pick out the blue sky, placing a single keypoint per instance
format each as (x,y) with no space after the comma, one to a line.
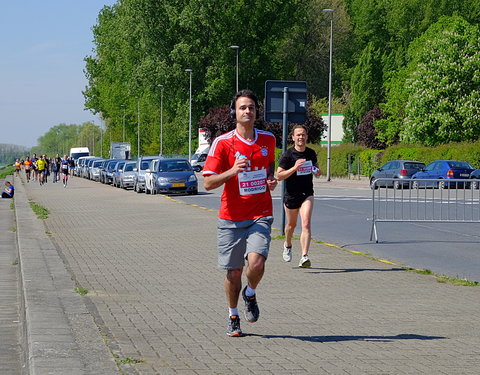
(42,44)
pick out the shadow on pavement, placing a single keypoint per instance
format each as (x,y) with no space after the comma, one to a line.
(403,336)
(347,270)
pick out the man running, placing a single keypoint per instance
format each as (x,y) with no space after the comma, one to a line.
(243,160)
(28,168)
(17,167)
(64,167)
(296,166)
(42,169)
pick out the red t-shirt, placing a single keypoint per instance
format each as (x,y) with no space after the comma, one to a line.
(223,152)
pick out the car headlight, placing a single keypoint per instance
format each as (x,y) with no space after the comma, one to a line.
(192,178)
(162,180)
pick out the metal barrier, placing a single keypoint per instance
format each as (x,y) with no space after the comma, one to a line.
(424,200)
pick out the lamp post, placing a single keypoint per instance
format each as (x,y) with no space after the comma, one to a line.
(123,107)
(161,119)
(138,127)
(190,118)
(236,48)
(329,134)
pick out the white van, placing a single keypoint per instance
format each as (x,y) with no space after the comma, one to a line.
(198,158)
(76,152)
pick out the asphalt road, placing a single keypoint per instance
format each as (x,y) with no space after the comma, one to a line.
(341,218)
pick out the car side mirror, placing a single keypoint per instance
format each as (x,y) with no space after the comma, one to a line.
(135,169)
(120,170)
(147,170)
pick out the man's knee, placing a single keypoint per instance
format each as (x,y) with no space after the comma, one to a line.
(234,275)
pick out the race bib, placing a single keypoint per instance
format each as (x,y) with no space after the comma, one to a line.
(253,182)
(305,168)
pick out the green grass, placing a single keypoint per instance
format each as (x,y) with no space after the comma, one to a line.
(12,204)
(41,212)
(14,230)
(81,291)
(4,172)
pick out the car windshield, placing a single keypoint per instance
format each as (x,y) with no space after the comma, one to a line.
(174,166)
(129,167)
(97,164)
(144,165)
(459,165)
(416,166)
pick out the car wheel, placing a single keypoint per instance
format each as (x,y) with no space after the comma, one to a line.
(415,185)
(397,185)
(373,185)
(474,185)
(193,192)
(442,185)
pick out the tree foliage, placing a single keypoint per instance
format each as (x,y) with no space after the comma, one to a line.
(218,121)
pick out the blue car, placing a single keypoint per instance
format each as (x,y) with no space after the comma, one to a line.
(443,170)
(174,176)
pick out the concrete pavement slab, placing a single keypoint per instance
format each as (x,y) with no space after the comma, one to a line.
(149,265)
(11,360)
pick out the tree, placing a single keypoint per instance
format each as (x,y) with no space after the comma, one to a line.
(444,85)
(367,135)
(218,121)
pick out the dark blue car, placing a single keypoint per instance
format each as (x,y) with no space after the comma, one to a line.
(174,176)
(443,170)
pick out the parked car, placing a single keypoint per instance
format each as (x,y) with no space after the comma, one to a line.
(127,174)
(116,173)
(174,176)
(87,168)
(143,163)
(109,169)
(95,169)
(399,170)
(103,170)
(475,175)
(150,176)
(444,170)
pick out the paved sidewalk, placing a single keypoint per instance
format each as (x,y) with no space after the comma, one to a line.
(10,301)
(149,264)
(60,334)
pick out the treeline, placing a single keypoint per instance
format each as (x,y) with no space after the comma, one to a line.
(404,70)
(60,138)
(9,153)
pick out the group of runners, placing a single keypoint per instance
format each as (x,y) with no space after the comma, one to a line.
(40,168)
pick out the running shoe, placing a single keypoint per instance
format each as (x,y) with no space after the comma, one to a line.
(233,328)
(305,262)
(287,253)
(251,308)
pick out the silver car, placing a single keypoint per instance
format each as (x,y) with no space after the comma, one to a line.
(127,175)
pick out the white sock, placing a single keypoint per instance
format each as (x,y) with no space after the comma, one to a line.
(249,292)
(233,311)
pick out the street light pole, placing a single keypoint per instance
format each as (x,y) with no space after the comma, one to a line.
(123,106)
(190,118)
(236,48)
(161,119)
(138,127)
(329,136)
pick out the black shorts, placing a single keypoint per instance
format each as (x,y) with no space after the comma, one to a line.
(295,202)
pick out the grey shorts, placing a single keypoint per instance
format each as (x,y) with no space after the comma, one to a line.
(235,239)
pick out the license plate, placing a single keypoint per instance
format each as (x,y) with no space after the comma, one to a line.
(464,175)
(178,185)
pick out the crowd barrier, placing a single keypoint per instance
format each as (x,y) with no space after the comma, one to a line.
(425,201)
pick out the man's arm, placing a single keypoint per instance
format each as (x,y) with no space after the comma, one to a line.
(271,180)
(283,174)
(214,181)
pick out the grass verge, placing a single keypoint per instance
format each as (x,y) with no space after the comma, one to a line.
(41,212)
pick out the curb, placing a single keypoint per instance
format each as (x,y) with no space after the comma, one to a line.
(59,332)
